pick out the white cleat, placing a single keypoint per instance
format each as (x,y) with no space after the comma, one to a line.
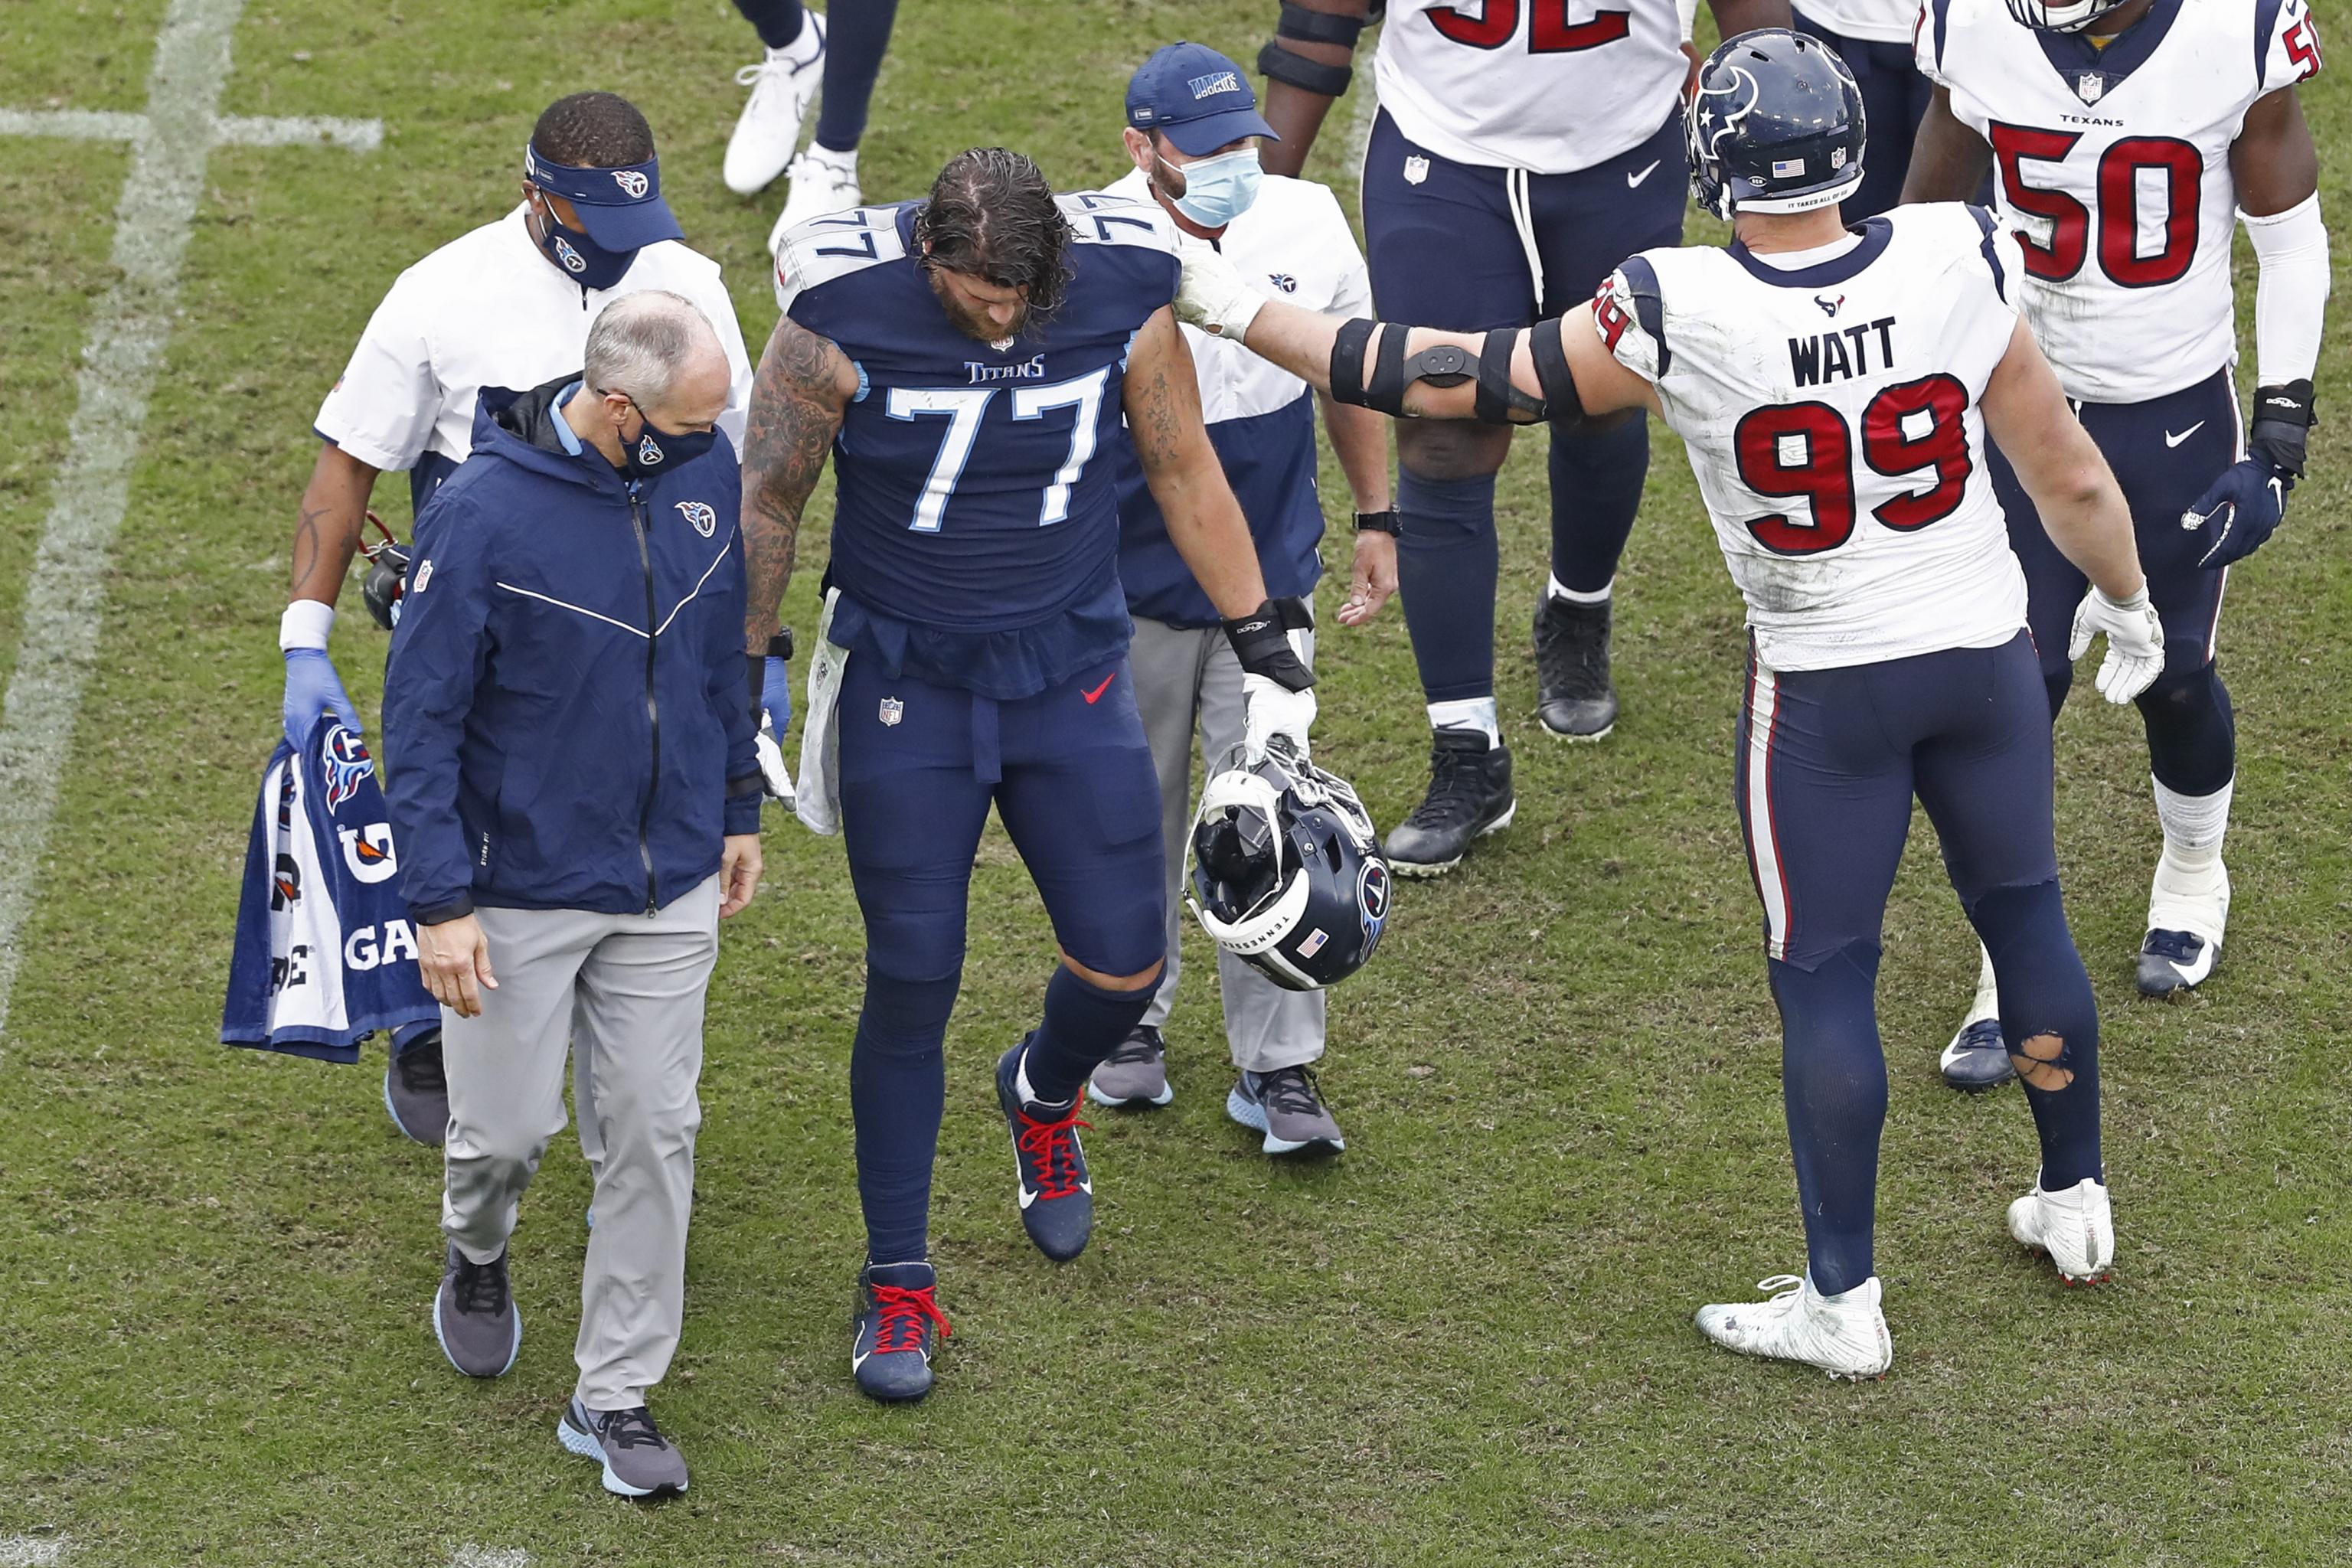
(2187,913)
(783,84)
(823,182)
(1844,1335)
(2075,1228)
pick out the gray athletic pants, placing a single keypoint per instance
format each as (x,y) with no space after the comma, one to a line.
(629,991)
(1187,681)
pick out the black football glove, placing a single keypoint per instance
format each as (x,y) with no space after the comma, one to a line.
(1260,641)
(2244,506)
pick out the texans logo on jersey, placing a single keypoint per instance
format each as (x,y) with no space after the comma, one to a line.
(346,761)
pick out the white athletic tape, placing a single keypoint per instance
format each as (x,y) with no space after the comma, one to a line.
(127,331)
(31,1551)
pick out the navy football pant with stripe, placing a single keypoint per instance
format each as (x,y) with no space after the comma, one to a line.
(857,35)
(1070,774)
(1830,761)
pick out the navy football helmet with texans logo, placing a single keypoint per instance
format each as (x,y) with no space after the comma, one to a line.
(1286,870)
(1775,127)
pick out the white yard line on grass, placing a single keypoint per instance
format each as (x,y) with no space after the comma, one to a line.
(31,1551)
(472,1556)
(127,331)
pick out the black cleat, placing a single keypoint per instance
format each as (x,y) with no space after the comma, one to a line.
(1574,697)
(891,1337)
(1469,796)
(2172,960)
(1057,1199)
(416,1090)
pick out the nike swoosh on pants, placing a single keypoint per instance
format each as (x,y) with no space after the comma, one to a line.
(2172,440)
(1634,180)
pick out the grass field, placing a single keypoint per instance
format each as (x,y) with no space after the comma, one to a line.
(1465,1342)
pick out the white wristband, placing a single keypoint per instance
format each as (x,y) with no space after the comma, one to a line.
(306,624)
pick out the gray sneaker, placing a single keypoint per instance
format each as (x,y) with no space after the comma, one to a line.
(416,1090)
(474,1316)
(1287,1105)
(1136,1074)
(638,1460)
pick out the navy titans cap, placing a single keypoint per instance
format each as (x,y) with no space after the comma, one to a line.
(622,209)
(1196,97)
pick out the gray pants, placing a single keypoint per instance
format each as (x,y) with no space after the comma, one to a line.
(628,992)
(1187,681)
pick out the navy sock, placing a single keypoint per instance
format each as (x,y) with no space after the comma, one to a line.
(1833,1086)
(2043,991)
(1083,1025)
(1447,566)
(1596,489)
(2192,736)
(858,34)
(778,22)
(898,1086)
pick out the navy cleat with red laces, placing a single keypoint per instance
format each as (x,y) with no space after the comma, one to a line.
(897,1313)
(1057,1201)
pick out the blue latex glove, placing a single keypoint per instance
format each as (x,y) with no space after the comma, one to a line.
(776,696)
(312,688)
(2237,510)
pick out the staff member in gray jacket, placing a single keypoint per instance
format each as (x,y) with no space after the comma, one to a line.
(1192,133)
(577,804)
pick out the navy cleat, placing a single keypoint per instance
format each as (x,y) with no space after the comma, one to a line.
(1469,796)
(2172,960)
(897,1311)
(1978,1058)
(1057,1201)
(1575,699)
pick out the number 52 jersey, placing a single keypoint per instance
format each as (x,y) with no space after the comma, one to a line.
(1831,414)
(2113,164)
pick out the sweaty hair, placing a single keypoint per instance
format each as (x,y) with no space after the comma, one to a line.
(594,131)
(640,342)
(992,215)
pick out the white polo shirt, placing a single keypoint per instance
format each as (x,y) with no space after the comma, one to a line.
(489,309)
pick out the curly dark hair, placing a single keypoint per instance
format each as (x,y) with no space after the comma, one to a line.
(593,130)
(992,215)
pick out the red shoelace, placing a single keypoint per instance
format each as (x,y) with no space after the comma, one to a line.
(1051,1147)
(904,1312)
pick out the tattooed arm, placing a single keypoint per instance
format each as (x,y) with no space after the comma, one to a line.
(1204,522)
(334,509)
(802,387)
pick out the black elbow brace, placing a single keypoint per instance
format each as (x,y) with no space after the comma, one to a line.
(1277,64)
(1442,366)
(1561,405)
(1317,27)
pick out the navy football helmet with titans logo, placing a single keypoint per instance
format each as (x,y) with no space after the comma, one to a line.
(1775,127)
(1286,870)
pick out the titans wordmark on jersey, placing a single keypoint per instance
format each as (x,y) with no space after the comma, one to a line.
(1830,413)
(968,492)
(2113,166)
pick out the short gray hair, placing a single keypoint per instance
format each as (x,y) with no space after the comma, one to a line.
(640,342)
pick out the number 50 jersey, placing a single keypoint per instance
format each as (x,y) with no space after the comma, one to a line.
(2113,164)
(1831,414)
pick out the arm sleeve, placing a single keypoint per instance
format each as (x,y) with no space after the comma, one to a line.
(438,655)
(730,697)
(2291,292)
(382,408)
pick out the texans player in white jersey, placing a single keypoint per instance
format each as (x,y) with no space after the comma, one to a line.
(1873,38)
(1834,388)
(1522,149)
(2125,137)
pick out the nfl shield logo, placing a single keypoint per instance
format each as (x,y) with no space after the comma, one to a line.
(892,711)
(2090,87)
(1416,169)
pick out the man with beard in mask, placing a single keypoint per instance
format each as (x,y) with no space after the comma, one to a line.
(508,304)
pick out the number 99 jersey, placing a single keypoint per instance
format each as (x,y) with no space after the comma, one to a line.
(2113,164)
(1829,413)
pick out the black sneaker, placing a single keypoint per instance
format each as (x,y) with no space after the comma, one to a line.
(1057,1200)
(474,1316)
(1469,796)
(890,1347)
(1574,698)
(638,1461)
(416,1090)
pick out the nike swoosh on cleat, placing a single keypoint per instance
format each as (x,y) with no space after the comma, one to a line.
(2172,440)
(1028,1197)
(859,1360)
(1634,180)
(1097,691)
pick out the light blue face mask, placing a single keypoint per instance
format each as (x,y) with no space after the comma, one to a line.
(1220,189)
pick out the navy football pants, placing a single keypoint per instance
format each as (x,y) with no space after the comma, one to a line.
(858,34)
(1070,776)
(1829,764)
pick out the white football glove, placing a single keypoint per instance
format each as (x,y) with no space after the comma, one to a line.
(1273,709)
(773,774)
(2135,642)
(1214,296)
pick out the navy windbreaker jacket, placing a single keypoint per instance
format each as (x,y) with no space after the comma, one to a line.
(565,717)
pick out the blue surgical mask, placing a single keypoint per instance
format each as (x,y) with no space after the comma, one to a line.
(583,261)
(1220,189)
(656,451)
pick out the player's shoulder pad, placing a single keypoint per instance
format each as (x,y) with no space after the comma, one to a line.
(826,249)
(1103,217)
(2286,44)
(1629,311)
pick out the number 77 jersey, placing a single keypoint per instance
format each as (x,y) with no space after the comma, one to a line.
(1830,413)
(2113,166)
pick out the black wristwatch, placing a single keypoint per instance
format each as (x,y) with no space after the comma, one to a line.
(1387,522)
(781,644)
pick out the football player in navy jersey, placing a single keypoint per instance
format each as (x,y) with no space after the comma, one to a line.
(965,359)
